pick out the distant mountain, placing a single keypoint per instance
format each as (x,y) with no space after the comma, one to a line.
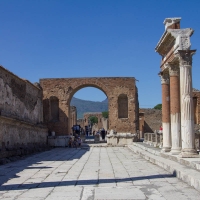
(105,101)
(84,106)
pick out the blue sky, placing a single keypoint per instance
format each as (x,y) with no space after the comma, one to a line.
(93,38)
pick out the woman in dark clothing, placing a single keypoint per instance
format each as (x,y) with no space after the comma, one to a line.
(103,134)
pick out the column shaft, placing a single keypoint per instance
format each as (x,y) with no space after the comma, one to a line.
(187,109)
(166,114)
(175,110)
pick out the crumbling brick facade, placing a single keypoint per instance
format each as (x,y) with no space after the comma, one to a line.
(122,96)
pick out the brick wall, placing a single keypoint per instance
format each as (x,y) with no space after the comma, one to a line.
(152,119)
(65,88)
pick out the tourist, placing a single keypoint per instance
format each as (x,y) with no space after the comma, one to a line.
(75,143)
(103,133)
(79,141)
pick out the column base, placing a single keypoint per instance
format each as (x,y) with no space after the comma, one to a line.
(175,151)
(166,149)
(189,153)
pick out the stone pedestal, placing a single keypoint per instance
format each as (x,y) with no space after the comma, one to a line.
(96,138)
(187,109)
(175,109)
(166,112)
(120,138)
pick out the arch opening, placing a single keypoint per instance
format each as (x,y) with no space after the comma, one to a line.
(90,102)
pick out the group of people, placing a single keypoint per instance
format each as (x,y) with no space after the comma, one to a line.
(102,133)
(76,142)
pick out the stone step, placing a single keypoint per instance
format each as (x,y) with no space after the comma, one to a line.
(190,162)
(186,173)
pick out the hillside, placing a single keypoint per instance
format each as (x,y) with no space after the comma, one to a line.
(88,106)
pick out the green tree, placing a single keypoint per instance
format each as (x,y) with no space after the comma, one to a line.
(105,114)
(158,106)
(93,119)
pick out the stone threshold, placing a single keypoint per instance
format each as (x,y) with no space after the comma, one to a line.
(181,169)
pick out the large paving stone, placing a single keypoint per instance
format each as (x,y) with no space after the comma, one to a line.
(100,173)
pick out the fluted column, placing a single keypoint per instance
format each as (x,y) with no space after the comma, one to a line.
(187,109)
(175,115)
(166,112)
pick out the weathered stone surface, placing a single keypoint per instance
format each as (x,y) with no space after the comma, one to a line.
(95,173)
(152,119)
(186,169)
(20,99)
(73,116)
(21,116)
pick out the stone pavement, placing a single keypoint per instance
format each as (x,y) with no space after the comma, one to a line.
(90,173)
(186,169)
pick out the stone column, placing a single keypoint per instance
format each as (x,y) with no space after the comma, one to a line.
(175,109)
(187,109)
(166,112)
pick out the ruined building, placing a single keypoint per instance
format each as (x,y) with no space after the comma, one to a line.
(21,116)
(177,97)
(29,112)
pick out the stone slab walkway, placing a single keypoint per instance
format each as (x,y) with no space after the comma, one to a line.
(90,173)
(186,169)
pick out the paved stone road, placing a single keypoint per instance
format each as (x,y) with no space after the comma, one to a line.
(97,173)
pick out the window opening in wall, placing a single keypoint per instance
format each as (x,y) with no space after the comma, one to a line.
(122,106)
(54,103)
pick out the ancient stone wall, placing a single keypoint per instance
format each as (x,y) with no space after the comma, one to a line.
(64,89)
(196,100)
(20,99)
(73,116)
(21,112)
(141,124)
(152,119)
(99,116)
(105,123)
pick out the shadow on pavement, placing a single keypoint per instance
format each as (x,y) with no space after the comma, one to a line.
(35,162)
(81,182)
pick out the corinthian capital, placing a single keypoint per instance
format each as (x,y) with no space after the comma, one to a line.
(185,57)
(164,78)
(173,70)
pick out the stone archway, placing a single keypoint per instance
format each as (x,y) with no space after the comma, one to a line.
(65,88)
(98,115)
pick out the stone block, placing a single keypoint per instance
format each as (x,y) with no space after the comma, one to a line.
(58,141)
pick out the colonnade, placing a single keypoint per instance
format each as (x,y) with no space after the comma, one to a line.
(177,105)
